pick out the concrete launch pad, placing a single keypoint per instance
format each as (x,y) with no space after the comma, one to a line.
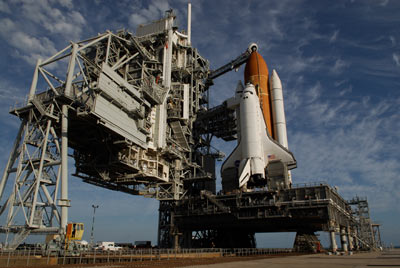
(370,259)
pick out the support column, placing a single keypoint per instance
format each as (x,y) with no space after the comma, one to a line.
(176,241)
(13,156)
(350,237)
(64,202)
(189,24)
(174,232)
(356,242)
(70,73)
(34,80)
(333,241)
(343,239)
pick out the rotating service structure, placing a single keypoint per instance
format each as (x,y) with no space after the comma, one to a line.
(125,110)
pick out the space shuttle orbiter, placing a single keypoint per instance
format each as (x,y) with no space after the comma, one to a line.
(261,156)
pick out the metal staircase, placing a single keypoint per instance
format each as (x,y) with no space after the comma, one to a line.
(18,238)
(179,135)
(307,242)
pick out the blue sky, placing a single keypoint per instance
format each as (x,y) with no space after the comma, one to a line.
(339,62)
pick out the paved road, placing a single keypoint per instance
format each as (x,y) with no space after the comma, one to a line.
(359,260)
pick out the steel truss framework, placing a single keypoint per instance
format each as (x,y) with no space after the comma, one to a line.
(35,163)
(364,229)
(377,235)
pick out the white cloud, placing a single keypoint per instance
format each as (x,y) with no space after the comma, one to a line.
(4,7)
(349,144)
(339,83)
(154,11)
(314,92)
(334,36)
(46,14)
(379,109)
(6,26)
(297,65)
(392,39)
(293,100)
(345,91)
(66,3)
(39,26)
(384,3)
(77,18)
(275,26)
(339,66)
(23,41)
(28,47)
(11,96)
(396,58)
(137,19)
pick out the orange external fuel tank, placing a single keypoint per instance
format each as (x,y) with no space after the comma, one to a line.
(256,72)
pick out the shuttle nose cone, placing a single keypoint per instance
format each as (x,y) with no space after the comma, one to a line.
(276,81)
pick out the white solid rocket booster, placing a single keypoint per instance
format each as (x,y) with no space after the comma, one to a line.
(278,113)
(278,110)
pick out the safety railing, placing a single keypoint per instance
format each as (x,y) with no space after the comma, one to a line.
(35,257)
(309,184)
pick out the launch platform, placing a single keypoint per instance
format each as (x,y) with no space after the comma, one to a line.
(230,220)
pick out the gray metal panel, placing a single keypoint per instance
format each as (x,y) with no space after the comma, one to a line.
(155,27)
(109,114)
(119,80)
(112,91)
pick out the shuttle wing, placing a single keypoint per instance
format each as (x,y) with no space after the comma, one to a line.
(233,160)
(275,151)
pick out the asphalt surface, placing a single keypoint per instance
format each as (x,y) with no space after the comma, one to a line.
(359,260)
